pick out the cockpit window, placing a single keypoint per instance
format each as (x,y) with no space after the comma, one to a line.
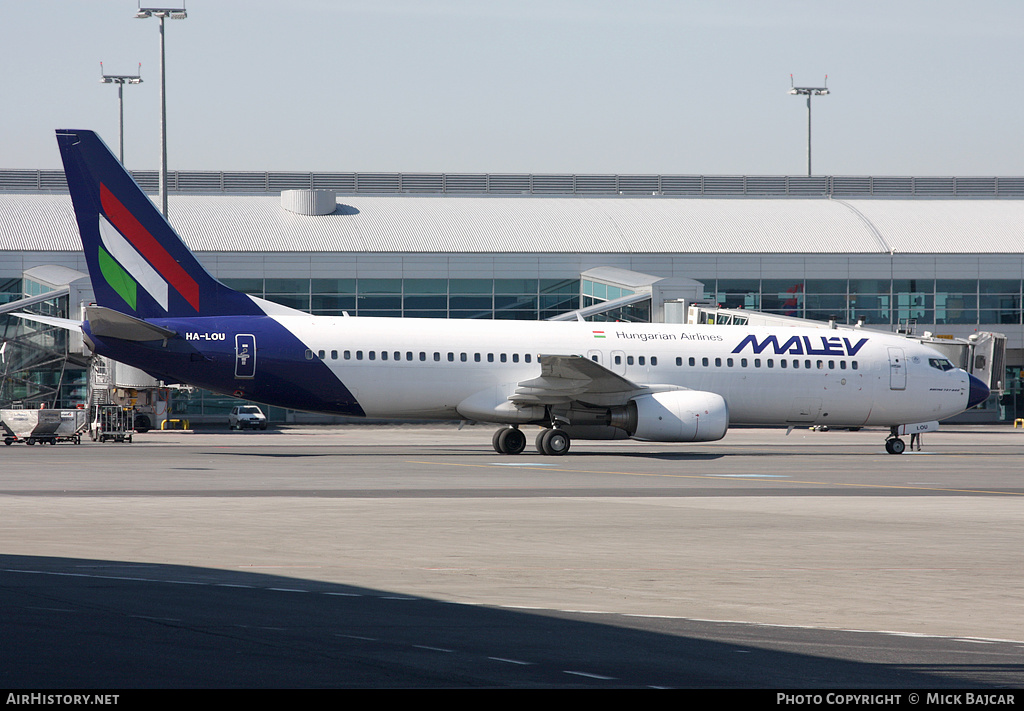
(940,363)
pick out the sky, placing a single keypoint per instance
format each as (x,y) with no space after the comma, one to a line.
(918,87)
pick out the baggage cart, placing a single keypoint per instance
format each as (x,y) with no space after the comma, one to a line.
(48,426)
(113,423)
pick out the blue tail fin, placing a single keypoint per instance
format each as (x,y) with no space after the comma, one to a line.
(137,263)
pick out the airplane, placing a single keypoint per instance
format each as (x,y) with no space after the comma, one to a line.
(158,309)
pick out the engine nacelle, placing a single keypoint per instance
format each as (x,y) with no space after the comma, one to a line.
(678,416)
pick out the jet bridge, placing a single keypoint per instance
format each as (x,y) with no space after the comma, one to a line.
(614,294)
(44,364)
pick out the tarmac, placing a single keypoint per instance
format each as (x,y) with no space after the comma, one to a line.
(415,556)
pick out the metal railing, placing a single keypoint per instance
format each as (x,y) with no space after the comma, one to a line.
(194,181)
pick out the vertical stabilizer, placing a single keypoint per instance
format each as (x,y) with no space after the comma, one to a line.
(137,262)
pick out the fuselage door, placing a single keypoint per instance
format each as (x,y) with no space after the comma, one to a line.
(618,362)
(245,355)
(897,369)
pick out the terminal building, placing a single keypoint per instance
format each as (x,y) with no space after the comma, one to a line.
(927,256)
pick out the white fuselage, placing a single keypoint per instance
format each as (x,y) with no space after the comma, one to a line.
(424,368)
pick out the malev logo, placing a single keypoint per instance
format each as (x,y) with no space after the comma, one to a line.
(129,257)
(803,345)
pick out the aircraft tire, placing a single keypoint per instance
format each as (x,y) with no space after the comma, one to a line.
(553,442)
(895,446)
(509,440)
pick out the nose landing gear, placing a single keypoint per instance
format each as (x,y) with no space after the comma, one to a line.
(895,445)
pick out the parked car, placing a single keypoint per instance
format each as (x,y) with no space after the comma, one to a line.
(243,416)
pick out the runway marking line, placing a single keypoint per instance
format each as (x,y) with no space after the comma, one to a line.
(720,476)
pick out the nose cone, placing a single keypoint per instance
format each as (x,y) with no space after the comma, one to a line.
(979,392)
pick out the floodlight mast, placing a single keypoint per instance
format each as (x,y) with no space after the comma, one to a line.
(120,80)
(175,13)
(808,91)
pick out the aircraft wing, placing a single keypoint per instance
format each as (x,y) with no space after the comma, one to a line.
(568,378)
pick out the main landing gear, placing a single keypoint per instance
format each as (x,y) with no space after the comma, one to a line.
(510,440)
(553,441)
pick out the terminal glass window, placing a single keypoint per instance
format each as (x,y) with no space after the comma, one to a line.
(999,301)
(783,296)
(739,294)
(914,299)
(956,301)
(825,299)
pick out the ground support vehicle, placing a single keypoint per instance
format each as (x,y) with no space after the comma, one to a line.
(47,426)
(112,423)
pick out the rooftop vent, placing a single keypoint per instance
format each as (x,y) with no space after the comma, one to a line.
(309,202)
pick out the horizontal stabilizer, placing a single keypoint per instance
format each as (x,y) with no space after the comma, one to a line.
(107,323)
(66,323)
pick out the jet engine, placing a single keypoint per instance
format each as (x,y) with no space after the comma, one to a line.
(675,416)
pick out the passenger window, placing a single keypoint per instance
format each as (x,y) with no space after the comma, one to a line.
(679,361)
(348,355)
(373,355)
(718,362)
(437,356)
(704,362)
(515,357)
(527,357)
(654,360)
(321,355)
(359,355)
(693,361)
(855,365)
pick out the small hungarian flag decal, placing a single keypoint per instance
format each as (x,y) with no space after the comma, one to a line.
(598,334)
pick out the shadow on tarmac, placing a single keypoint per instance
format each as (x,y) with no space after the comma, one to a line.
(75,623)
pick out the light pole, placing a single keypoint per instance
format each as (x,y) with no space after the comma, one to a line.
(120,80)
(175,13)
(808,91)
